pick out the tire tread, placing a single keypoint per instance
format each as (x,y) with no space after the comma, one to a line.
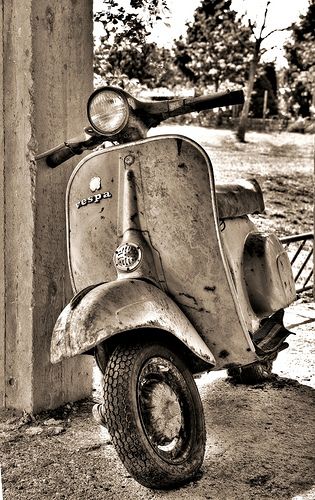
(123,428)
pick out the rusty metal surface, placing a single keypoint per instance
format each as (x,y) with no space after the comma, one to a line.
(123,305)
(261,273)
(233,235)
(176,217)
(268,274)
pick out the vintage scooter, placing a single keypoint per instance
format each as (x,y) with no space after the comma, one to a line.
(171,277)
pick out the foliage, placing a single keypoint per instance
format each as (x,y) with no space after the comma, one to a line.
(260,35)
(220,48)
(300,52)
(134,24)
(216,48)
(124,54)
(118,63)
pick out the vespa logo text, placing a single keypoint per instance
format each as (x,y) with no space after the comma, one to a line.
(96,198)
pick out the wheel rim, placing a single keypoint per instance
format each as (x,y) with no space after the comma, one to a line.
(164,409)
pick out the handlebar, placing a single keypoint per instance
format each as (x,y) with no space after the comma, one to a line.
(149,113)
(154,112)
(57,155)
(215,100)
(66,150)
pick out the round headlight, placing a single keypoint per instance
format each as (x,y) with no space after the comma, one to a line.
(108,110)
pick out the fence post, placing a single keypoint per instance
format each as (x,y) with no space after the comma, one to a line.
(265,108)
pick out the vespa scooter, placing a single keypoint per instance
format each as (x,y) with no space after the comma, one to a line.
(171,279)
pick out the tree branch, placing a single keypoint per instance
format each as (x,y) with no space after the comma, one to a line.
(274,31)
(251,26)
(264,21)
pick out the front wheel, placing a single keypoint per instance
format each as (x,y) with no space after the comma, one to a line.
(154,414)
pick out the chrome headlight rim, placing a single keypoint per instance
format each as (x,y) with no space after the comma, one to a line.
(122,96)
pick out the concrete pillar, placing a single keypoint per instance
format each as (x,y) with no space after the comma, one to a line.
(46,60)
(2,288)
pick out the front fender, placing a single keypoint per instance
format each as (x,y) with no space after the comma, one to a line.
(119,306)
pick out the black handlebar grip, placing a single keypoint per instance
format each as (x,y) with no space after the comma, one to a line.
(216,100)
(63,154)
(235,97)
(182,106)
(57,155)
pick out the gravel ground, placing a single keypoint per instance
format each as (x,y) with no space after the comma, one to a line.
(260,439)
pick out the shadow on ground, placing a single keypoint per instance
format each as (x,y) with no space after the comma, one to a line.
(260,440)
(260,445)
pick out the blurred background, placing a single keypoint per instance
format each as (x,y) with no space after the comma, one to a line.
(165,48)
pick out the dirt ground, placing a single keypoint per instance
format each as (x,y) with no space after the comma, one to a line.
(260,439)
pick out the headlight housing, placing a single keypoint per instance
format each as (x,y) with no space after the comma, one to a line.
(108,110)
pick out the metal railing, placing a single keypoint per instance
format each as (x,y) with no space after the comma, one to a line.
(300,251)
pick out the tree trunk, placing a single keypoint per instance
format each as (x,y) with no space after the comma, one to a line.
(244,115)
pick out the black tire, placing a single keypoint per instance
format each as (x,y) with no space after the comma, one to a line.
(154,414)
(253,374)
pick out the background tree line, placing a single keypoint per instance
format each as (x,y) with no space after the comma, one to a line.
(219,50)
